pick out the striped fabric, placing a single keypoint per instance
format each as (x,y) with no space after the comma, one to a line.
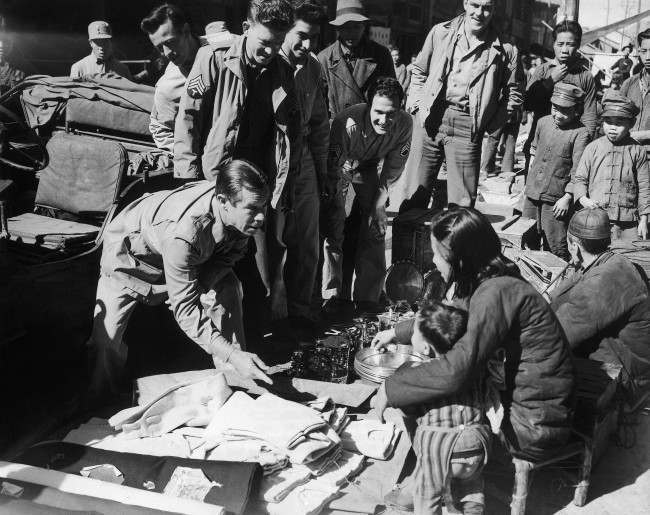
(450,429)
(464,408)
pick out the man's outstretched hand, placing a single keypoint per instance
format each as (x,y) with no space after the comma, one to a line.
(249,366)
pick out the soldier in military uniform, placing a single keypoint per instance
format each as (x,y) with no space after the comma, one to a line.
(299,242)
(169,32)
(179,245)
(361,136)
(238,104)
(101,58)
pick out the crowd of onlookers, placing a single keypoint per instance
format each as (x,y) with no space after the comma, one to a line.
(286,157)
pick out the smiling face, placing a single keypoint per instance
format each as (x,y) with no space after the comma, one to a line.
(175,44)
(565,47)
(382,113)
(262,43)
(246,213)
(102,48)
(478,13)
(616,127)
(351,32)
(300,40)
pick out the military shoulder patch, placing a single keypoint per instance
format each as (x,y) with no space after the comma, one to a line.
(404,151)
(196,87)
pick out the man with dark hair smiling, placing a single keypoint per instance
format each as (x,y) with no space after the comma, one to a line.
(234,103)
(361,136)
(298,235)
(168,28)
(239,103)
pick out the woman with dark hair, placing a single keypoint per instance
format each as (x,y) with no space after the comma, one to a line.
(505,312)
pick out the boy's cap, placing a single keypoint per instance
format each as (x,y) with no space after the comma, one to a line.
(567,95)
(615,104)
(99,30)
(590,224)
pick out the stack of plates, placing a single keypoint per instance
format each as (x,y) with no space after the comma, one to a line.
(376,366)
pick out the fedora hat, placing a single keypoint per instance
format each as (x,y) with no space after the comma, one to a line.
(348,10)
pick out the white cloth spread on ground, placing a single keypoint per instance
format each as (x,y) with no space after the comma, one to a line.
(370,437)
(185,404)
(307,499)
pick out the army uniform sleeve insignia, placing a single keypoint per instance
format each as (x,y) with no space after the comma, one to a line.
(196,87)
(404,151)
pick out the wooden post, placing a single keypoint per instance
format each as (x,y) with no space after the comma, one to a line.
(569,10)
(520,489)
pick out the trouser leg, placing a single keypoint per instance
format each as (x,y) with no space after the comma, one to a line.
(302,239)
(333,228)
(463,161)
(510,135)
(429,487)
(255,306)
(370,257)
(531,210)
(107,352)
(428,168)
(554,231)
(489,152)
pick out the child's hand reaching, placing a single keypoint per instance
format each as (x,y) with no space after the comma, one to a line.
(382,339)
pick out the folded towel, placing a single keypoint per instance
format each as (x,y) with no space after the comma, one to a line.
(347,465)
(370,438)
(277,486)
(315,445)
(319,466)
(258,451)
(284,424)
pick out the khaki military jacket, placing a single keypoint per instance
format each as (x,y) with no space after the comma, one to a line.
(173,241)
(355,147)
(211,110)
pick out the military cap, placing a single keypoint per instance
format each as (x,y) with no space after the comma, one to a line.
(567,95)
(99,30)
(616,104)
(590,224)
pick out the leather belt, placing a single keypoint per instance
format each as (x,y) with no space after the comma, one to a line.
(458,107)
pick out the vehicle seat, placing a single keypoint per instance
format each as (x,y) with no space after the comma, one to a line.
(77,193)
